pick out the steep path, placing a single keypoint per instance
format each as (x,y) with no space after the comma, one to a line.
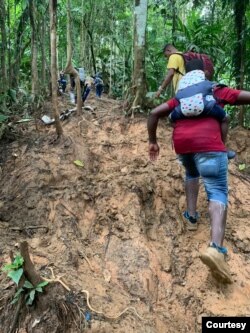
(113,226)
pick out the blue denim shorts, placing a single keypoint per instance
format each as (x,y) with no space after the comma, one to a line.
(212,167)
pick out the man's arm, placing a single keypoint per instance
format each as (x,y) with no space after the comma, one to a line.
(160,111)
(166,82)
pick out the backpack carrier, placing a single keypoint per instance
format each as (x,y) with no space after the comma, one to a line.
(196,98)
(207,62)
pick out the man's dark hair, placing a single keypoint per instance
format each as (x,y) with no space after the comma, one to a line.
(166,46)
(194,64)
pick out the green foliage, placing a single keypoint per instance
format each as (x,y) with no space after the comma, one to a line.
(242,166)
(107,27)
(15,272)
(29,291)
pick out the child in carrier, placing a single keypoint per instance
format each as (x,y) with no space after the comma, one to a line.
(195,98)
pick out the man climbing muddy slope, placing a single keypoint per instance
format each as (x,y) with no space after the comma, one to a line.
(202,156)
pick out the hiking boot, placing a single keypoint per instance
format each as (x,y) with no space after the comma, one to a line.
(215,261)
(231,154)
(190,221)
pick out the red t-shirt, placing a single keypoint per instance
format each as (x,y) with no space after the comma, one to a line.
(197,135)
(202,134)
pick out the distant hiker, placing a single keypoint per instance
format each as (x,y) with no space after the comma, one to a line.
(87,87)
(62,82)
(98,85)
(176,66)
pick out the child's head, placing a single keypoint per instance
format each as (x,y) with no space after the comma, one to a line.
(194,65)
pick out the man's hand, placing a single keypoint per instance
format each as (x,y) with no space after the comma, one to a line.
(153,151)
(158,93)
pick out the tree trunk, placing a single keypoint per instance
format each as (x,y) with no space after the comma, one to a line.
(19,47)
(9,79)
(34,70)
(139,75)
(53,12)
(69,69)
(3,80)
(174,20)
(240,50)
(110,66)
(82,42)
(43,54)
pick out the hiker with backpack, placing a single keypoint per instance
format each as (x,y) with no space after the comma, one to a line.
(202,156)
(176,66)
(198,143)
(87,88)
(98,85)
(62,82)
(195,99)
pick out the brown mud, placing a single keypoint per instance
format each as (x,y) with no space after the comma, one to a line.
(113,229)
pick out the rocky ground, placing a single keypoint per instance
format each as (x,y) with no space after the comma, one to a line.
(113,228)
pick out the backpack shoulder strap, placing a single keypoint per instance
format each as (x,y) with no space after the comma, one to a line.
(182,55)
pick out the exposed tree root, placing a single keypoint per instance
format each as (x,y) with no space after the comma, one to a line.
(59,280)
(110,317)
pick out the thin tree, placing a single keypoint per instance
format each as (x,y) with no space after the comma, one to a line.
(139,75)
(53,16)
(3,47)
(34,70)
(240,8)
(69,69)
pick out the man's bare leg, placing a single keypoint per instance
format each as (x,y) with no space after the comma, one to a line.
(192,191)
(213,257)
(218,216)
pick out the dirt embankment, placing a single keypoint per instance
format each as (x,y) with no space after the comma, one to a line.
(113,228)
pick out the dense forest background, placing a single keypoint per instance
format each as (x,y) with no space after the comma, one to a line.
(104,36)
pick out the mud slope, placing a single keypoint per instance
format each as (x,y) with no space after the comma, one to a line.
(113,227)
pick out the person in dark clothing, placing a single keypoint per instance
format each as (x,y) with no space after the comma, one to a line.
(62,81)
(98,85)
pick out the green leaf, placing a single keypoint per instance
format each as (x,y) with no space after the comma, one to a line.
(3,118)
(31,297)
(17,295)
(28,285)
(18,261)
(242,166)
(8,267)
(12,94)
(42,284)
(39,289)
(79,163)
(16,275)
(14,300)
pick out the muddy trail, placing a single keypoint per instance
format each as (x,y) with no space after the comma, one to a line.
(113,229)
